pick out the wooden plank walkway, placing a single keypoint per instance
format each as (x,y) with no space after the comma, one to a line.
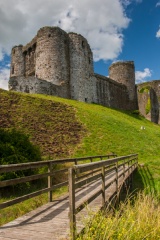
(51,221)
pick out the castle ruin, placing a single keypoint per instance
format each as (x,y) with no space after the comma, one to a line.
(61,64)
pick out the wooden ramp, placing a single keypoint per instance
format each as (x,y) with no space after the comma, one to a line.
(51,221)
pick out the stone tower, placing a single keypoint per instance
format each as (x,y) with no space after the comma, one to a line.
(52,55)
(124,73)
(61,64)
(17,61)
(81,68)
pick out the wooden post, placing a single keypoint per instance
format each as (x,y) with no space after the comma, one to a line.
(124,170)
(124,181)
(132,170)
(103,186)
(137,161)
(117,200)
(75,162)
(91,159)
(128,175)
(72,216)
(49,182)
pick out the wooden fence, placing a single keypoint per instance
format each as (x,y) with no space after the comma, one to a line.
(81,175)
(49,174)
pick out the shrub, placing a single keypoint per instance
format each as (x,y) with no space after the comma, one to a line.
(15,147)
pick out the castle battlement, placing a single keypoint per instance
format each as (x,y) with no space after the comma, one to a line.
(58,63)
(61,64)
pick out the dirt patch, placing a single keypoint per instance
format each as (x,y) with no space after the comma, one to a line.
(52,126)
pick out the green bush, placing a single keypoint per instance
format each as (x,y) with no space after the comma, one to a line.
(15,147)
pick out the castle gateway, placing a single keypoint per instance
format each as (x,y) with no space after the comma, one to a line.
(61,64)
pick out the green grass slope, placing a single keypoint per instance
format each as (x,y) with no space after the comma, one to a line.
(65,128)
(113,131)
(51,125)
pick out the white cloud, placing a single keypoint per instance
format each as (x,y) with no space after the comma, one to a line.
(128,2)
(158,34)
(4,77)
(158,4)
(142,75)
(100,21)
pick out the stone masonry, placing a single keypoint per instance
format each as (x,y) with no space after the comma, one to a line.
(61,64)
(149,100)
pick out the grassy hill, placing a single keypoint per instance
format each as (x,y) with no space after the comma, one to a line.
(65,128)
(51,125)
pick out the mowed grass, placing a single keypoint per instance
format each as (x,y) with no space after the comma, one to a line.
(121,132)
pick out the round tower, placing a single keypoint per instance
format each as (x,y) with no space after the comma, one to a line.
(124,73)
(52,55)
(81,68)
(17,61)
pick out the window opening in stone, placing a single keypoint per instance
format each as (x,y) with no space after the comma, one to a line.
(85,99)
(29,51)
(89,60)
(82,44)
(26,89)
(13,69)
(49,35)
(34,46)
(25,53)
(13,51)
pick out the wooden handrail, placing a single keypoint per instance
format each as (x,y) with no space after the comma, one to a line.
(31,165)
(85,167)
(48,175)
(120,167)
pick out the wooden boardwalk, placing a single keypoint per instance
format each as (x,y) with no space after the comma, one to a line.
(51,221)
(94,182)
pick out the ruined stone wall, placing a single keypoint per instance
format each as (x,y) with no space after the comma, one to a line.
(112,94)
(82,82)
(32,84)
(124,72)
(149,100)
(17,61)
(61,64)
(30,61)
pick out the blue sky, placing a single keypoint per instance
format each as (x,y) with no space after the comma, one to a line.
(140,42)
(115,29)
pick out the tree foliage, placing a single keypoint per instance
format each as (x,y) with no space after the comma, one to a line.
(15,147)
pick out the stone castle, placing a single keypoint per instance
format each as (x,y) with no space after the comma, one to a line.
(61,64)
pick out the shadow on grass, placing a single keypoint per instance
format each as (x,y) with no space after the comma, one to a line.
(134,114)
(147,180)
(142,181)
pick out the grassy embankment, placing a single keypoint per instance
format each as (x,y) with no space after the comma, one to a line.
(137,221)
(65,128)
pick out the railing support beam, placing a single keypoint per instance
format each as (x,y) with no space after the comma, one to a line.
(49,182)
(72,214)
(103,187)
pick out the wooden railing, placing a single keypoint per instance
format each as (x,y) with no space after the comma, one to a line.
(49,174)
(121,168)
